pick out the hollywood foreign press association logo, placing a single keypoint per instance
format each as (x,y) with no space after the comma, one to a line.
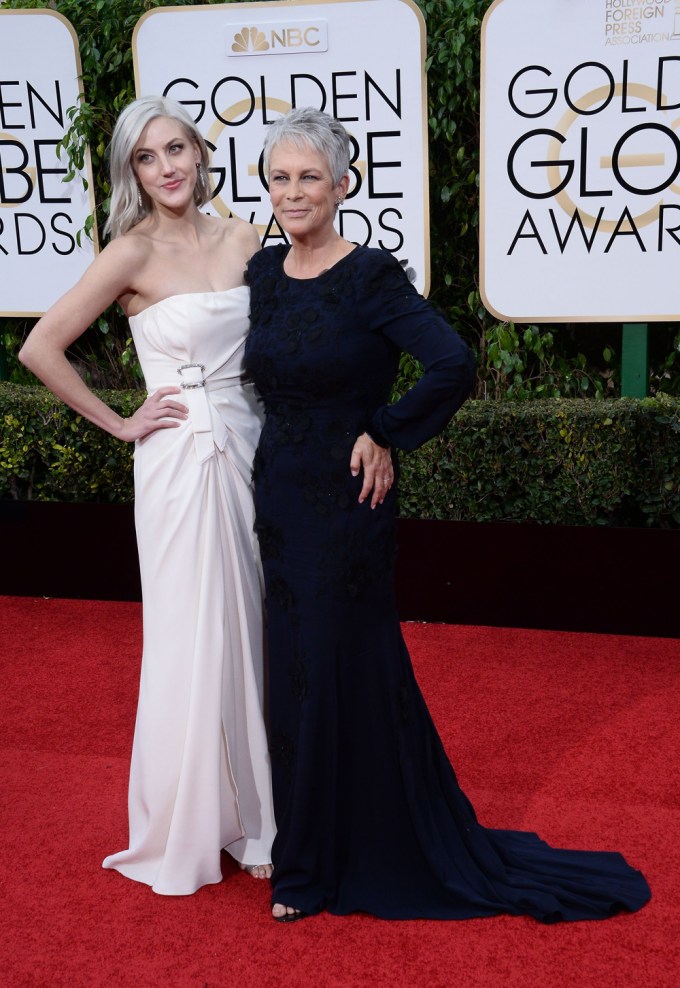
(249,39)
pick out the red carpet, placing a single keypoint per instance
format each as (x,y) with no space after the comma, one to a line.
(576,736)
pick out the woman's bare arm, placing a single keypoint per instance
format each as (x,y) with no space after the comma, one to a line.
(109,276)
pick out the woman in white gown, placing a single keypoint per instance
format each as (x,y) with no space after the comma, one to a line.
(200,774)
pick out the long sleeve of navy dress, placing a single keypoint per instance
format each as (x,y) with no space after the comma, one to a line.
(369,813)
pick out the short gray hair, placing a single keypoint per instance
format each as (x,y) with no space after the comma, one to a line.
(305,127)
(125,210)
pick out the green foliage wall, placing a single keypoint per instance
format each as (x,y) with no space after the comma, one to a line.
(563,461)
(568,462)
(49,453)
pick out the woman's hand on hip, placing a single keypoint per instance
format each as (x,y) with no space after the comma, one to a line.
(156,413)
(376,463)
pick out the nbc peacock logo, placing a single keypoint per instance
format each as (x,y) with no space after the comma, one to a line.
(278,38)
(249,39)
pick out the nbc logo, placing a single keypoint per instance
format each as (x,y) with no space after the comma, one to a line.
(249,39)
(279,38)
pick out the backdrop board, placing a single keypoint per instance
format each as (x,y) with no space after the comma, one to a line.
(237,67)
(580,160)
(40,214)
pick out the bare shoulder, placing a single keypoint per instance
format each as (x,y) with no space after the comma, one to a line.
(128,252)
(247,233)
(238,233)
(128,261)
(111,272)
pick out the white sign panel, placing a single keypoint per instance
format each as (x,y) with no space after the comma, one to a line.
(237,67)
(580,217)
(40,214)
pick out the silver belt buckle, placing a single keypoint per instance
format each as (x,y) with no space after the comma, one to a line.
(190,385)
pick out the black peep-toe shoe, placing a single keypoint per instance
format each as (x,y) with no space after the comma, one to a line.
(291,917)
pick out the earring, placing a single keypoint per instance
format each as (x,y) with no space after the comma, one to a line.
(338,202)
(139,198)
(202,181)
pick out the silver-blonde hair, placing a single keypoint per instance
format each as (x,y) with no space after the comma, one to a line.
(305,127)
(126,209)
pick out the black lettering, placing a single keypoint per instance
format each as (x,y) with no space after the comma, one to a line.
(58,115)
(346,219)
(268,235)
(373,165)
(338,96)
(369,82)
(390,229)
(354,154)
(186,102)
(664,229)
(219,174)
(260,171)
(576,221)
(234,180)
(19,219)
(62,233)
(263,101)
(659,83)
(568,164)
(572,76)
(624,97)
(47,171)
(3,104)
(551,93)
(5,198)
(620,232)
(616,168)
(584,169)
(293,90)
(527,220)
(249,101)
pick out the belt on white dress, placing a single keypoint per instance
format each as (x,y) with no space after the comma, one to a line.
(209,429)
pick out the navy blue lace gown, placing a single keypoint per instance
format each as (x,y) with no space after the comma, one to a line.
(369,813)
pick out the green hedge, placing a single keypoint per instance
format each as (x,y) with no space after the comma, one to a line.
(566,462)
(49,453)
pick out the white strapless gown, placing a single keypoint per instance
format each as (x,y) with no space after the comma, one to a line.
(200,773)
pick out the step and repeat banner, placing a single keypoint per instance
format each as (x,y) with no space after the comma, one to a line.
(41,215)
(239,66)
(235,67)
(580,160)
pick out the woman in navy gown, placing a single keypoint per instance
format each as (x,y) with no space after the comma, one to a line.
(369,813)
